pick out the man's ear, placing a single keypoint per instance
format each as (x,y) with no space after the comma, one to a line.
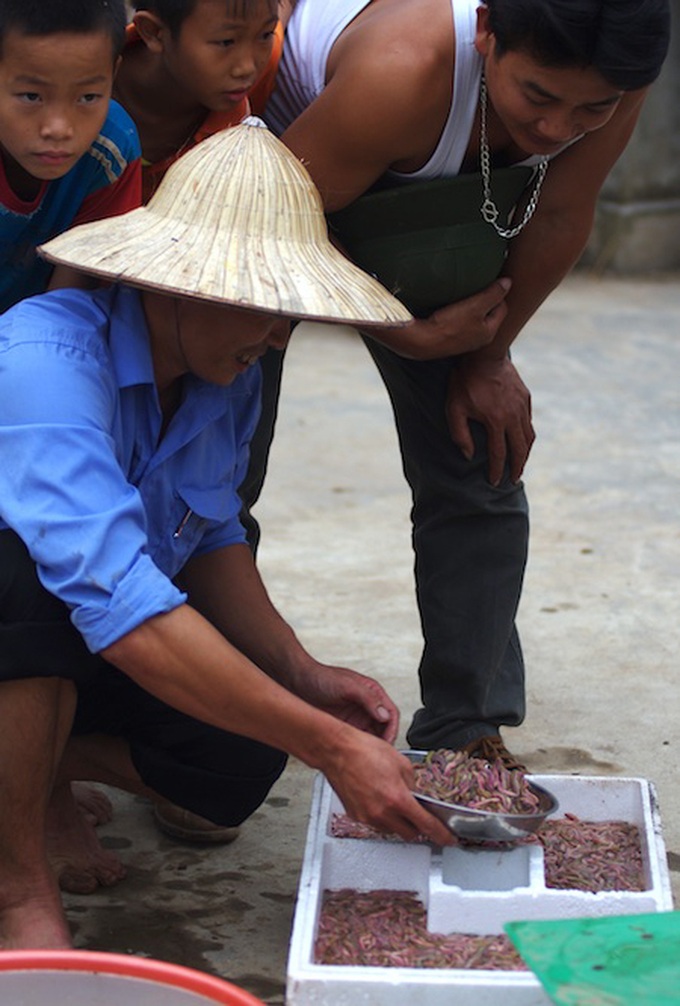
(483,33)
(150,29)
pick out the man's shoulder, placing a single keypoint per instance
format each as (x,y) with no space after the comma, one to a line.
(57,340)
(397,60)
(404,33)
(67,314)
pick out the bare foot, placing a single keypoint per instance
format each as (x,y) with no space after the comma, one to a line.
(34,921)
(94,804)
(78,859)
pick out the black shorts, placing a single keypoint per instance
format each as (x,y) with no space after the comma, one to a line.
(219,775)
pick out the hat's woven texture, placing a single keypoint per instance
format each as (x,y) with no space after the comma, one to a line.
(236,219)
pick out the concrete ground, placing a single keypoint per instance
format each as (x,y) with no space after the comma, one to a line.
(599,617)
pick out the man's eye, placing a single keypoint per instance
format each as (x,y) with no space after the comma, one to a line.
(30,97)
(91,98)
(599,109)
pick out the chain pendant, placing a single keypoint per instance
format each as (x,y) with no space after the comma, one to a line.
(488,209)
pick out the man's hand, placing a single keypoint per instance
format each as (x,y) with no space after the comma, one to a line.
(374,783)
(493,393)
(457,328)
(349,696)
(373,780)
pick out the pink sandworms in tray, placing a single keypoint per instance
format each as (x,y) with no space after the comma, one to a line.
(389,929)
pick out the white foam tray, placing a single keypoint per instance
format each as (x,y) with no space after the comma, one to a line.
(466,891)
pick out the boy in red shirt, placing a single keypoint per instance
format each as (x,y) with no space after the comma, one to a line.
(67,154)
(193,67)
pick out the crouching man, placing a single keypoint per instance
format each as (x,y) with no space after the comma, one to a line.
(138,646)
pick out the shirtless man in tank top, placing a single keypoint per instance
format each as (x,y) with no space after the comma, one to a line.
(365,89)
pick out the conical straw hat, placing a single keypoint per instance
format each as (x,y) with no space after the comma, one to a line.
(236,219)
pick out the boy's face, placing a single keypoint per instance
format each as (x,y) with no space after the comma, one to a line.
(54,98)
(221,50)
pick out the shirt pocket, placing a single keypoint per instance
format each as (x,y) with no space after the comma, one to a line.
(192,513)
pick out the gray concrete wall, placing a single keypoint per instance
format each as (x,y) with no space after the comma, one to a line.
(637,226)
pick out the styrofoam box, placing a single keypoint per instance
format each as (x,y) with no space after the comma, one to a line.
(466,891)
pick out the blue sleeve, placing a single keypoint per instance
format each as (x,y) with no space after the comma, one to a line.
(62,488)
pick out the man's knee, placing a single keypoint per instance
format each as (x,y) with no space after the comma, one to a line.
(22,596)
(37,638)
(220,776)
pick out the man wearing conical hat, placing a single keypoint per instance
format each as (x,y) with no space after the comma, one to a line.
(138,645)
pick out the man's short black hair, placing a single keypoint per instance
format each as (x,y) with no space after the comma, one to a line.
(49,17)
(626,41)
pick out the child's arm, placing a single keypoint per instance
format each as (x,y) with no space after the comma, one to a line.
(121,196)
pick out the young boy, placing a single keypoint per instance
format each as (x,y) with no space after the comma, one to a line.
(193,67)
(140,648)
(67,155)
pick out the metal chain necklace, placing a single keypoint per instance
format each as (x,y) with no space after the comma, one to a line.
(488,209)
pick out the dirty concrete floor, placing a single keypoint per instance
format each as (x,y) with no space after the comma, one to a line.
(599,617)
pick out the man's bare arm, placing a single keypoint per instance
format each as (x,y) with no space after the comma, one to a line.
(184,661)
(225,586)
(485,385)
(378,111)
(363,122)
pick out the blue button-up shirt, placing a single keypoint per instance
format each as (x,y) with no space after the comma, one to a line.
(110,512)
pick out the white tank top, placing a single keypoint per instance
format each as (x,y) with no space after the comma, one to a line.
(310,35)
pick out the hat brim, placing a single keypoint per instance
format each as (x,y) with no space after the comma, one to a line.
(263,273)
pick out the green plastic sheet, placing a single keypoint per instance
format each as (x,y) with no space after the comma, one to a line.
(619,960)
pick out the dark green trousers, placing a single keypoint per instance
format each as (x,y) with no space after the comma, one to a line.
(470,541)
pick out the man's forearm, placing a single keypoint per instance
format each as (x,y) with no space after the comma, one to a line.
(540,258)
(226,587)
(184,661)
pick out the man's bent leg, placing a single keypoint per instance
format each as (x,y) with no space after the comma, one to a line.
(35,720)
(217,775)
(37,638)
(209,772)
(470,541)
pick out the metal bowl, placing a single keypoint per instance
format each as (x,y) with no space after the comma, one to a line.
(486,825)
